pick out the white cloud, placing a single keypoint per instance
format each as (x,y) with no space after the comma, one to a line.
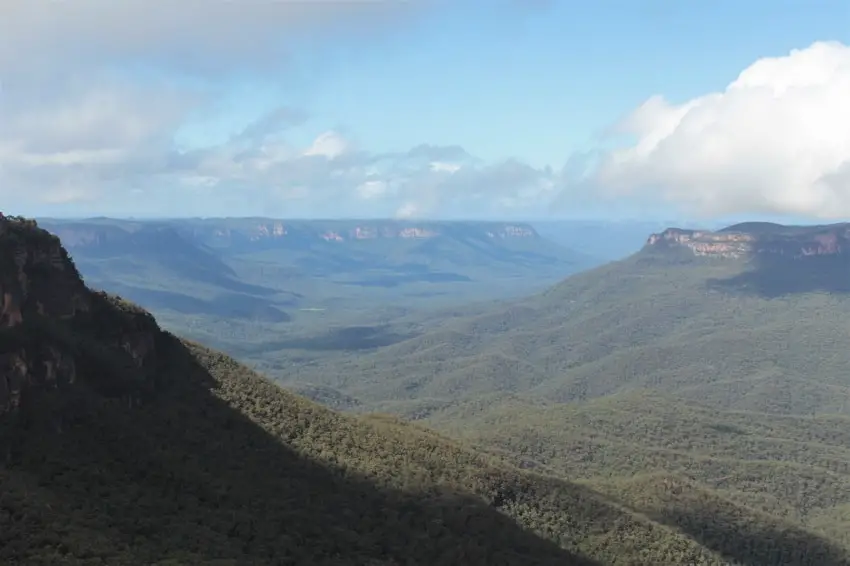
(776,140)
(407,210)
(441,166)
(329,144)
(372,189)
(199,36)
(86,134)
(109,149)
(102,114)
(63,193)
(95,91)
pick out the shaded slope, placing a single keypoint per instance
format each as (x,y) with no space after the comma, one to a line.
(123,445)
(222,465)
(191,479)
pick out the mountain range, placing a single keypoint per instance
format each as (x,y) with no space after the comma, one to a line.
(709,367)
(749,317)
(268,271)
(124,444)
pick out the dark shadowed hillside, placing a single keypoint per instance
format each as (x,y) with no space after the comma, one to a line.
(124,445)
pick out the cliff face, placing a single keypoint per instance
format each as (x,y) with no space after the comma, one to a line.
(259,230)
(36,275)
(194,237)
(759,239)
(54,331)
(704,243)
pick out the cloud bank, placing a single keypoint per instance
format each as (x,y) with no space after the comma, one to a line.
(205,37)
(92,100)
(776,140)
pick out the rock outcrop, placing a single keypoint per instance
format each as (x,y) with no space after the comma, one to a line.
(196,238)
(36,275)
(759,239)
(343,231)
(54,331)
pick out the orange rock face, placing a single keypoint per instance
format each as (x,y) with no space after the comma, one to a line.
(790,242)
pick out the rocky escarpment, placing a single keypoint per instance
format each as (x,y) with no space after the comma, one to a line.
(194,238)
(36,275)
(759,239)
(56,333)
(704,243)
(226,231)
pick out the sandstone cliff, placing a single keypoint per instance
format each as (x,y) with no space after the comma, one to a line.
(759,239)
(56,333)
(227,231)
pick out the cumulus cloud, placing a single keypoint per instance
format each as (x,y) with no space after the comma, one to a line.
(106,146)
(776,140)
(94,94)
(332,174)
(81,140)
(407,210)
(330,145)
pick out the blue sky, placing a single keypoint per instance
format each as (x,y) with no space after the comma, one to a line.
(437,109)
(552,83)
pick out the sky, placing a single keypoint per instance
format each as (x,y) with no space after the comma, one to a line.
(509,109)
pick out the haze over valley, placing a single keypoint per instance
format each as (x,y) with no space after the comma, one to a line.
(412,283)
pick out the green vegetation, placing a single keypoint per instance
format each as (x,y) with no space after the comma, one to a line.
(665,323)
(796,468)
(123,444)
(250,268)
(220,466)
(661,381)
(234,283)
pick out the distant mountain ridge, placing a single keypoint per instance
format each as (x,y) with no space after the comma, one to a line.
(226,231)
(513,242)
(674,315)
(122,444)
(759,239)
(261,268)
(232,231)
